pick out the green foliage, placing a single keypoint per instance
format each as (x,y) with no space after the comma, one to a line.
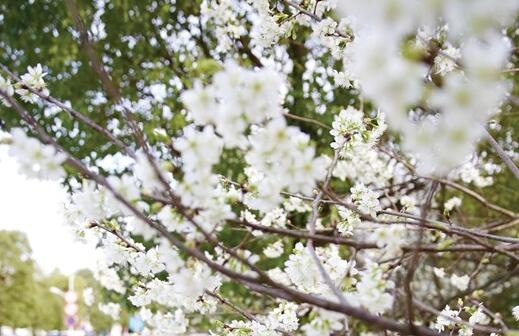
(24,295)
(100,322)
(25,298)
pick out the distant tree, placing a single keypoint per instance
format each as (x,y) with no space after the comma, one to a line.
(100,322)
(16,279)
(26,301)
(24,295)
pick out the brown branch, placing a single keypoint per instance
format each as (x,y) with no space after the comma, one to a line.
(308,120)
(429,223)
(108,85)
(502,154)
(240,311)
(253,283)
(359,245)
(311,226)
(488,284)
(476,196)
(118,235)
(415,257)
(373,320)
(422,306)
(315,17)
(74,113)
(452,184)
(113,91)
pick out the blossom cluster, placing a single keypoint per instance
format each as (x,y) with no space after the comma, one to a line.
(34,158)
(29,82)
(428,70)
(245,108)
(443,134)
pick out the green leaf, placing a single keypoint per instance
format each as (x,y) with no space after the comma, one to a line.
(446,243)
(208,67)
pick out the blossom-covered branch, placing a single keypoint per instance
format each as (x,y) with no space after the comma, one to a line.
(293,162)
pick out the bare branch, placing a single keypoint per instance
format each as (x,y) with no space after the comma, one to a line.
(502,154)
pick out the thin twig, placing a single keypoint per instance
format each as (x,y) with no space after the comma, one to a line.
(416,256)
(311,226)
(308,120)
(502,154)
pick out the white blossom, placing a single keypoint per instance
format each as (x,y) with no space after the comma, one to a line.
(7,88)
(479,317)
(34,158)
(148,263)
(439,272)
(350,220)
(446,318)
(274,250)
(34,80)
(460,282)
(88,296)
(366,199)
(111,309)
(452,203)
(515,312)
